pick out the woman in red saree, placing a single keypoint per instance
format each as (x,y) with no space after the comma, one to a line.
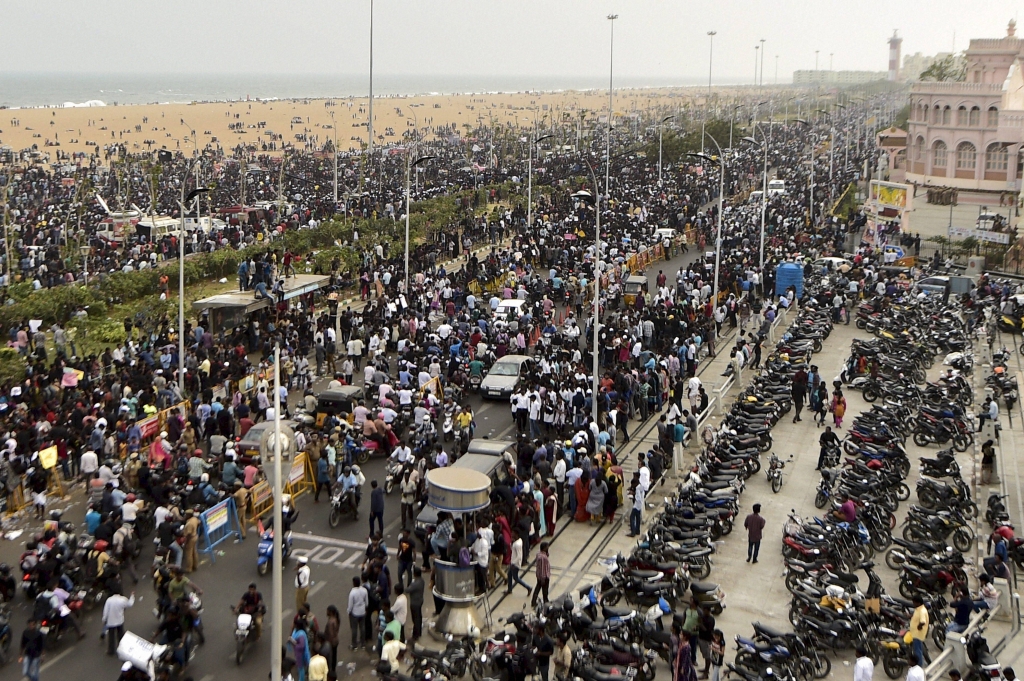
(582,489)
(550,503)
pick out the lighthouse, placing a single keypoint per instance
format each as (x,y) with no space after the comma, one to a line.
(895,42)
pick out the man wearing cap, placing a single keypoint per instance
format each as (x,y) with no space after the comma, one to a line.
(301,582)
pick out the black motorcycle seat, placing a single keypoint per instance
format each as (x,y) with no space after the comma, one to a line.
(696,552)
(595,675)
(616,671)
(660,637)
(611,611)
(902,601)
(644,574)
(666,567)
(770,632)
(657,587)
(809,565)
(716,485)
(845,577)
(703,587)
(418,651)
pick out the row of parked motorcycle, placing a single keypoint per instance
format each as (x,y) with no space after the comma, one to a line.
(823,555)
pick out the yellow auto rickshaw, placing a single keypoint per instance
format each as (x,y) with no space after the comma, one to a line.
(635,285)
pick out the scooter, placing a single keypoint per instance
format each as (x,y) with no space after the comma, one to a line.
(984,664)
(774,473)
(343,503)
(265,551)
(245,634)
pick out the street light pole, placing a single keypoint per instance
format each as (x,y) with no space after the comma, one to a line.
(409,165)
(707,104)
(761,83)
(757,51)
(334,127)
(608,142)
(185,201)
(721,194)
(810,202)
(764,183)
(529,182)
(661,130)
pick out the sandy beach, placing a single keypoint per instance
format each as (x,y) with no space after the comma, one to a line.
(226,124)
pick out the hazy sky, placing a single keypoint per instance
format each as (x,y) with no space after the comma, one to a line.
(662,39)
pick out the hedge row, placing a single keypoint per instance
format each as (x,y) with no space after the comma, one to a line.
(60,303)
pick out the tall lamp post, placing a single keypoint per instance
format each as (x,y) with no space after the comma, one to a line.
(733,125)
(707,104)
(595,199)
(409,165)
(764,182)
(810,201)
(760,83)
(608,141)
(661,130)
(185,201)
(529,182)
(721,193)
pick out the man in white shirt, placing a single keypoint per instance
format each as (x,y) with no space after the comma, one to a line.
(559,472)
(400,608)
(113,619)
(88,464)
(863,668)
(482,557)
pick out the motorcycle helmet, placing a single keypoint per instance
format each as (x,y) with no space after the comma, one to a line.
(426,418)
(348,469)
(55,515)
(5,569)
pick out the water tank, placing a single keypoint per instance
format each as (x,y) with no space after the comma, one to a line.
(789,274)
(975,266)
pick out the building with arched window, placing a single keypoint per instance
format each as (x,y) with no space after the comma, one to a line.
(969,134)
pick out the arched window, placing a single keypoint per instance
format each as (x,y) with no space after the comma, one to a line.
(919,150)
(997,157)
(966,156)
(975,117)
(993,117)
(947,115)
(936,115)
(961,116)
(939,154)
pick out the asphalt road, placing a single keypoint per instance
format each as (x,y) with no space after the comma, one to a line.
(334,556)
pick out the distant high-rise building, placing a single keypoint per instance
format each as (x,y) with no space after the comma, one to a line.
(916,64)
(812,77)
(895,43)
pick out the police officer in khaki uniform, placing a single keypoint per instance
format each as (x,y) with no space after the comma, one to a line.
(191,533)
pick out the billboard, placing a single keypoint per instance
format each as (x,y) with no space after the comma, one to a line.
(889,194)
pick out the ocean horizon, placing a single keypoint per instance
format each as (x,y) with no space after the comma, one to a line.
(25,89)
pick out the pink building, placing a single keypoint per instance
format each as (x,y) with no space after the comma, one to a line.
(969,134)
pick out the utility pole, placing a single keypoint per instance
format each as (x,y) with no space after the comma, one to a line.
(761,84)
(707,104)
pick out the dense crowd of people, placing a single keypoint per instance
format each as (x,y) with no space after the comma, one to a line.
(441,330)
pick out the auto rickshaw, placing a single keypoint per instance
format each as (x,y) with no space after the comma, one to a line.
(340,402)
(634,286)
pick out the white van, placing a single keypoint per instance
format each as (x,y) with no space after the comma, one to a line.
(755,197)
(776,187)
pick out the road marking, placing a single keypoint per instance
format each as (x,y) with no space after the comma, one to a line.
(316,588)
(56,659)
(331,541)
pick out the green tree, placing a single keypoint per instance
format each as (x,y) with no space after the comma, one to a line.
(952,67)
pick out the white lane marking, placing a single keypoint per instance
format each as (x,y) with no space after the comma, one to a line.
(331,541)
(54,660)
(316,587)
